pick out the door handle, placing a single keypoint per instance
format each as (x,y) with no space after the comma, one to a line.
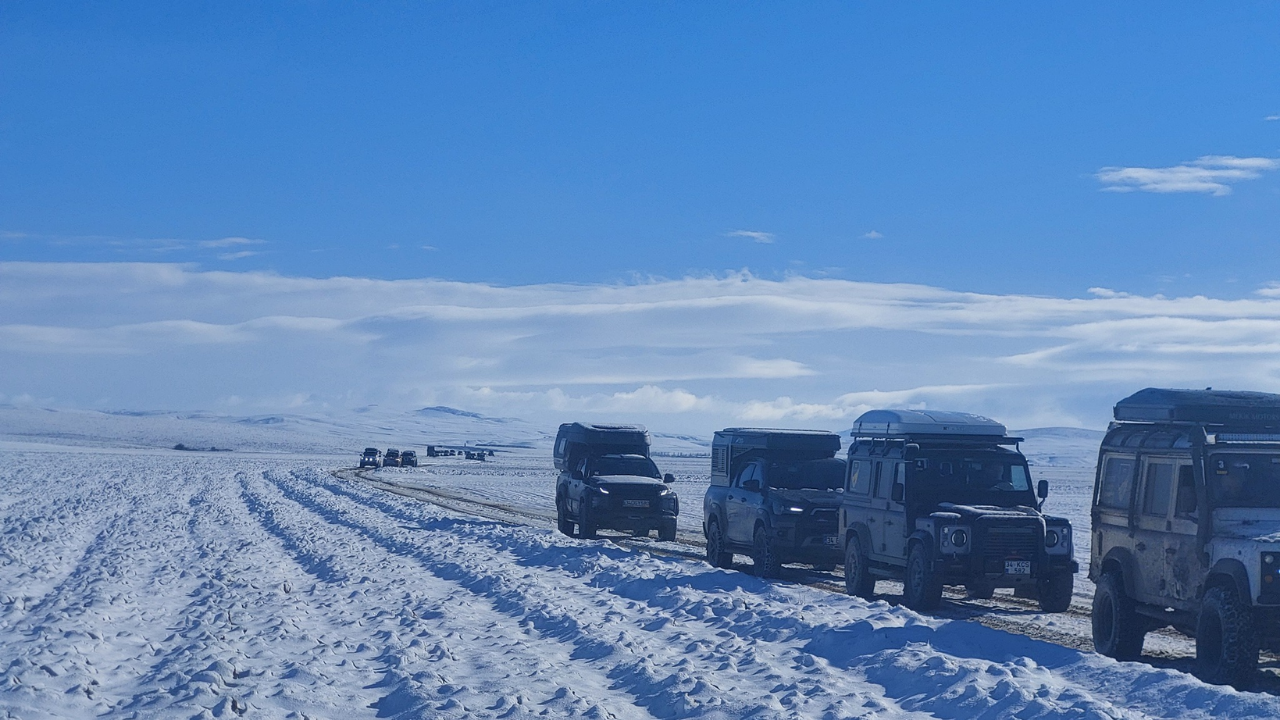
(1141,546)
(888,522)
(871,520)
(1171,551)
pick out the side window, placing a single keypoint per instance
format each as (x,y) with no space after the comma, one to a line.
(1117,482)
(882,482)
(859,477)
(1157,491)
(899,476)
(1185,506)
(560,447)
(749,472)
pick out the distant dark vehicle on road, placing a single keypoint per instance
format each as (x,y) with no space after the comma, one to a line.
(774,495)
(607,480)
(391,458)
(408,458)
(371,458)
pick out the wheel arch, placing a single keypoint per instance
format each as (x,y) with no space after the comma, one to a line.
(1120,560)
(1229,573)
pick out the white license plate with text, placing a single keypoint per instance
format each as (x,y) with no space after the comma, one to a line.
(639,504)
(1017,567)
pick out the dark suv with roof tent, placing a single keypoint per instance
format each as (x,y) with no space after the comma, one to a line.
(774,495)
(1186,527)
(940,498)
(607,480)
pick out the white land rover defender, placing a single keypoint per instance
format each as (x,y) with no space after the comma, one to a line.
(1186,527)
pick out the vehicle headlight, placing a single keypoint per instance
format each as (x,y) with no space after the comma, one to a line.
(787,509)
(955,539)
(1051,539)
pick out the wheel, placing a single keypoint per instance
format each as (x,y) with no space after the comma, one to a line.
(1118,630)
(764,556)
(980,589)
(1226,644)
(716,555)
(586,528)
(1055,591)
(921,588)
(667,533)
(857,576)
(563,523)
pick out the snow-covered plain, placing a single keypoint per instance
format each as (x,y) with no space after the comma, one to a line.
(137,581)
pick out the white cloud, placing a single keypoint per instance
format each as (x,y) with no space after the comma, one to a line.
(230,242)
(872,235)
(238,255)
(1272,118)
(1211,174)
(760,237)
(707,350)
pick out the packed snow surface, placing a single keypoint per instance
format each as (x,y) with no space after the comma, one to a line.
(159,584)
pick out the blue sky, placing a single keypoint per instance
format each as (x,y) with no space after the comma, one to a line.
(1027,152)
(587,142)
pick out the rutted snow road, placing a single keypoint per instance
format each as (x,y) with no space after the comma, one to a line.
(205,585)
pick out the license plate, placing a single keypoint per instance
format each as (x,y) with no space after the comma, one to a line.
(1017,567)
(831,540)
(645,504)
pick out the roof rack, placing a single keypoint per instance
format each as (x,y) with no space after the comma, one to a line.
(931,425)
(1225,408)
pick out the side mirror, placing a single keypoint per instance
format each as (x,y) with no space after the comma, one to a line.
(668,478)
(576,475)
(898,492)
(1042,489)
(752,485)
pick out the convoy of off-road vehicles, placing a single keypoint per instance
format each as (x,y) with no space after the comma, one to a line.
(1185,513)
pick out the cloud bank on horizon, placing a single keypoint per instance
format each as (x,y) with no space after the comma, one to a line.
(684,354)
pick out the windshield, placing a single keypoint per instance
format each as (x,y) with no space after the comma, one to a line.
(984,479)
(825,474)
(1244,480)
(625,465)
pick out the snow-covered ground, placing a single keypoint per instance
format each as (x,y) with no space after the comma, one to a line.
(140,582)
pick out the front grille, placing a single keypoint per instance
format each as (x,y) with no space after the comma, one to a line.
(825,516)
(1003,542)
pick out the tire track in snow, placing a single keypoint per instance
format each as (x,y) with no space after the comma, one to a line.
(411,691)
(709,677)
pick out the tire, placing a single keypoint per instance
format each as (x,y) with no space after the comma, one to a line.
(921,588)
(667,532)
(1055,592)
(563,524)
(716,555)
(763,555)
(980,589)
(586,528)
(857,576)
(1118,630)
(1226,644)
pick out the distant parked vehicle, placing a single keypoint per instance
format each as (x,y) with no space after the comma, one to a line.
(408,458)
(371,458)
(391,458)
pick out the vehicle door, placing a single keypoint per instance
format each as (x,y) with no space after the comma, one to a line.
(894,527)
(742,502)
(576,489)
(878,513)
(855,505)
(1152,525)
(1112,502)
(1185,567)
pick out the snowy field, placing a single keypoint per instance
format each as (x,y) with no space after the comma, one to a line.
(154,583)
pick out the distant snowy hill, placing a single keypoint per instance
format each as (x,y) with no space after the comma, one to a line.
(1061,446)
(336,432)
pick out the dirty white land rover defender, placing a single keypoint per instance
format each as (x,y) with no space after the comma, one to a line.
(1186,527)
(938,498)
